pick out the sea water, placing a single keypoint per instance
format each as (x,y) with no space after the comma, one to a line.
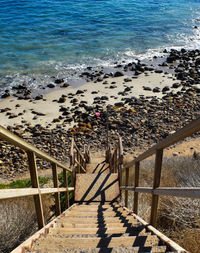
(49,37)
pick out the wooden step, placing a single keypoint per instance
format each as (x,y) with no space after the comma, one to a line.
(96,225)
(154,249)
(98,168)
(62,243)
(96,187)
(95,219)
(96,205)
(96,209)
(92,231)
(97,214)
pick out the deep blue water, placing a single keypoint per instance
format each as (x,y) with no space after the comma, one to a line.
(50,36)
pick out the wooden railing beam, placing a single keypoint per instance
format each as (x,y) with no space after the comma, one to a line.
(78,151)
(25,192)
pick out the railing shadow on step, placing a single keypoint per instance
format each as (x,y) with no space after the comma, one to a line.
(156,190)
(32,154)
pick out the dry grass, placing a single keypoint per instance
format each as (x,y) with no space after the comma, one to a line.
(18,220)
(179,218)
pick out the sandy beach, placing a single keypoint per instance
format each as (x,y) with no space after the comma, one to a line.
(146,105)
(45,110)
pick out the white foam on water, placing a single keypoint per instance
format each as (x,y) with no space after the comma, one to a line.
(68,71)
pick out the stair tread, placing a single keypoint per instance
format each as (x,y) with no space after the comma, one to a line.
(89,230)
(96,225)
(96,214)
(51,241)
(154,249)
(97,218)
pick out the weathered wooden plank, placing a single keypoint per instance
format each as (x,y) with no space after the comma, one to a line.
(116,161)
(25,192)
(66,185)
(17,193)
(127,188)
(126,184)
(78,151)
(18,142)
(179,192)
(35,184)
(55,184)
(156,184)
(186,192)
(136,184)
(79,166)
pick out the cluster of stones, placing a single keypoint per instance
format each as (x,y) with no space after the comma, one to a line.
(140,121)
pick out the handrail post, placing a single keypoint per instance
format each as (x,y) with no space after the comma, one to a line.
(156,184)
(65,179)
(72,163)
(35,184)
(115,161)
(120,166)
(57,194)
(78,159)
(126,184)
(108,154)
(135,205)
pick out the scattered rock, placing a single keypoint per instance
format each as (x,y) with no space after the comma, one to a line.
(118,74)
(51,85)
(146,88)
(6,94)
(156,89)
(59,81)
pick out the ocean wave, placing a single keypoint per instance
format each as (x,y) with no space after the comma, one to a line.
(41,76)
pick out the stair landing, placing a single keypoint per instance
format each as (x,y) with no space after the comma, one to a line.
(96,187)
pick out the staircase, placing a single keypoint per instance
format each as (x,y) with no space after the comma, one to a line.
(97,222)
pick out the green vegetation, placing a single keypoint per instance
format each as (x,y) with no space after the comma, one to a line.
(62,195)
(23,183)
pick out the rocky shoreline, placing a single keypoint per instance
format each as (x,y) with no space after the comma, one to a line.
(141,114)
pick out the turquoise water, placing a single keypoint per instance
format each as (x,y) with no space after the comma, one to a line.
(51,36)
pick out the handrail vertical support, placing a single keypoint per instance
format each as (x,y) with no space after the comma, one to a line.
(126,184)
(57,194)
(72,163)
(35,184)
(135,205)
(78,159)
(66,186)
(156,184)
